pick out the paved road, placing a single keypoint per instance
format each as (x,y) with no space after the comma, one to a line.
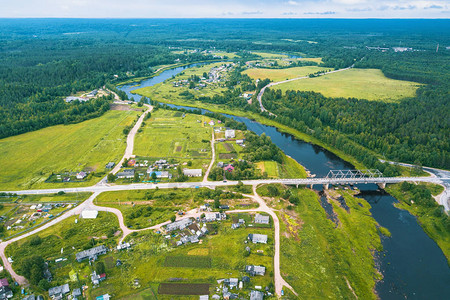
(213,184)
(261,92)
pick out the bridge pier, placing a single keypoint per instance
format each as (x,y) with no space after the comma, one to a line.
(326,186)
(382,185)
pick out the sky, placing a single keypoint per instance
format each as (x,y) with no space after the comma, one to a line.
(225,9)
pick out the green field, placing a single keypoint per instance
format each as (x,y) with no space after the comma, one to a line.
(282,74)
(70,197)
(316,251)
(168,135)
(29,159)
(269,167)
(368,84)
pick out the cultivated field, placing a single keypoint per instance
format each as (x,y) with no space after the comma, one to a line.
(282,74)
(168,135)
(28,159)
(368,84)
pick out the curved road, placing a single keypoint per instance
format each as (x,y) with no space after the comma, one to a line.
(261,92)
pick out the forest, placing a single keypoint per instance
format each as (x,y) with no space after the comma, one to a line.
(43,61)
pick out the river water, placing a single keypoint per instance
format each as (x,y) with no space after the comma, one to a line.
(412,264)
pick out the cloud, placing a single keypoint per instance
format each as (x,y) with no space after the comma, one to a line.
(409,7)
(356,9)
(289,13)
(434,6)
(320,13)
(292,2)
(252,12)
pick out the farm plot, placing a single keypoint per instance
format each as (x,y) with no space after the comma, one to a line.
(184,288)
(188,261)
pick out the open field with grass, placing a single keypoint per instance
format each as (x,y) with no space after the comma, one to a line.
(316,251)
(368,84)
(29,159)
(282,74)
(433,220)
(270,55)
(269,167)
(70,197)
(168,135)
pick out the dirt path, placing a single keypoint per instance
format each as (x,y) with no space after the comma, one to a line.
(213,158)
(130,145)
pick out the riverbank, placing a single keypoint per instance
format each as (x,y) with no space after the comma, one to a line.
(419,201)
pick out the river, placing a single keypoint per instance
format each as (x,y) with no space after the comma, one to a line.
(412,264)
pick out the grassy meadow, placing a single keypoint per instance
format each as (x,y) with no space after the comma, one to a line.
(282,74)
(316,251)
(29,159)
(168,135)
(368,84)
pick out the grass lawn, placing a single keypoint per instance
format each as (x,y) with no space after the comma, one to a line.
(29,159)
(168,135)
(282,74)
(69,197)
(370,84)
(433,221)
(270,55)
(315,251)
(270,167)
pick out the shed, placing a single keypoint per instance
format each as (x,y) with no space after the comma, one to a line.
(89,214)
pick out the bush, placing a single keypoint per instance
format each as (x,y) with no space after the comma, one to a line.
(100,267)
(35,241)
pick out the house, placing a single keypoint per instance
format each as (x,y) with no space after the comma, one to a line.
(30,297)
(76,293)
(5,292)
(73,98)
(103,297)
(230,134)
(258,238)
(89,214)
(229,168)
(193,172)
(92,253)
(81,175)
(160,174)
(204,297)
(122,246)
(110,165)
(256,295)
(128,173)
(233,283)
(215,216)
(4,282)
(260,219)
(181,224)
(240,142)
(59,291)
(255,270)
(131,163)
(97,278)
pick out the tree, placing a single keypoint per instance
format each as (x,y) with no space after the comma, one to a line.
(272,191)
(173,218)
(189,163)
(136,177)
(154,176)
(111,177)
(35,241)
(100,267)
(216,203)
